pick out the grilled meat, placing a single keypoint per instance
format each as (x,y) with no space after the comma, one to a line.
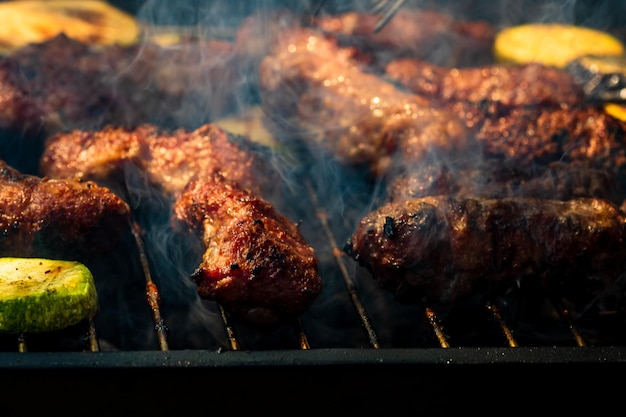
(18,111)
(443,249)
(256,263)
(169,160)
(431,35)
(526,114)
(529,112)
(22,123)
(314,90)
(319,94)
(58,218)
(62,84)
(511,85)
(531,135)
(557,181)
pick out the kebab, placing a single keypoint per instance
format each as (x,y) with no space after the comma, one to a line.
(256,265)
(446,249)
(411,245)
(318,92)
(328,99)
(64,218)
(531,84)
(255,262)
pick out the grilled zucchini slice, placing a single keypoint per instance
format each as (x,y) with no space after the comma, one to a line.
(616,110)
(41,295)
(92,22)
(552,44)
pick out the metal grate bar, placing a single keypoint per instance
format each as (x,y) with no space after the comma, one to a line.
(233,340)
(302,339)
(339,259)
(152,292)
(94,346)
(508,334)
(434,323)
(566,316)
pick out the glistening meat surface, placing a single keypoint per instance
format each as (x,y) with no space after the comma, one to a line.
(313,89)
(443,249)
(511,85)
(58,217)
(256,264)
(169,159)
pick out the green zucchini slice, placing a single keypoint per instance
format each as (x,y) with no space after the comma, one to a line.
(42,295)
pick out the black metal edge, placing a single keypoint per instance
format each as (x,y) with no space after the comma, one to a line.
(431,382)
(315,357)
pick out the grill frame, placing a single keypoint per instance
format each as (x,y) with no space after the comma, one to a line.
(325,357)
(428,381)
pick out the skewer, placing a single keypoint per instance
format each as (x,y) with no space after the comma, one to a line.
(152,292)
(338,255)
(434,322)
(505,329)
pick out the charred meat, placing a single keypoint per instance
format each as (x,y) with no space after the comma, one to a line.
(510,85)
(66,218)
(62,84)
(531,135)
(317,91)
(256,263)
(168,159)
(443,249)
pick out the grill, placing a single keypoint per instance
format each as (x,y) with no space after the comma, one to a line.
(155,349)
(356,350)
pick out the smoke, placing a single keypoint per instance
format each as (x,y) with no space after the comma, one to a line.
(344,194)
(204,82)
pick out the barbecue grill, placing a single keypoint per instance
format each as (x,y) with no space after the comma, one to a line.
(154,352)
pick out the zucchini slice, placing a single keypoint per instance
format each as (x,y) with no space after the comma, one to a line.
(616,110)
(92,22)
(41,295)
(552,44)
